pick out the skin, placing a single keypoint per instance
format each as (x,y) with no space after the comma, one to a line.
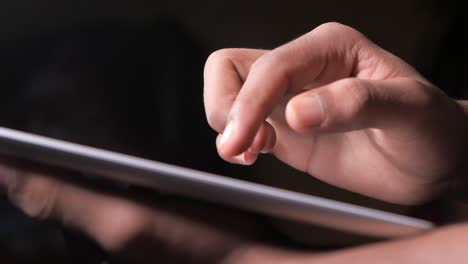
(338,107)
(329,103)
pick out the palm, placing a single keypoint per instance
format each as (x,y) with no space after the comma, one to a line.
(410,156)
(364,160)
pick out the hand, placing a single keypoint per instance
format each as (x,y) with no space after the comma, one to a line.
(167,230)
(333,104)
(176,231)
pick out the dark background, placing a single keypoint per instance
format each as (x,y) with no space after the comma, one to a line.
(127,76)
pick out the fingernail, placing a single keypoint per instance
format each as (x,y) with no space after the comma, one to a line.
(253,151)
(309,111)
(250,157)
(226,134)
(265,151)
(247,158)
(7,176)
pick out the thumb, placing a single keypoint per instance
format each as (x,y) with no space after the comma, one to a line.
(352,104)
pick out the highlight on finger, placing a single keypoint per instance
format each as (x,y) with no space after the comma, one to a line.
(264,142)
(245,158)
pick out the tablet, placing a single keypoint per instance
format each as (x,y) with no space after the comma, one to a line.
(209,187)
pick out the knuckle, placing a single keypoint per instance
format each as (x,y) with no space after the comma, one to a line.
(359,94)
(216,58)
(335,28)
(337,32)
(350,97)
(427,94)
(220,55)
(275,65)
(331,26)
(35,195)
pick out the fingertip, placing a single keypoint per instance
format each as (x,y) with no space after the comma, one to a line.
(305,112)
(235,139)
(223,143)
(245,158)
(226,135)
(218,147)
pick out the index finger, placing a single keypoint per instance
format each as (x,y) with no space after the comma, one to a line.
(325,54)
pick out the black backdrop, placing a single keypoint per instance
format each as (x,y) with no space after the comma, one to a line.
(137,87)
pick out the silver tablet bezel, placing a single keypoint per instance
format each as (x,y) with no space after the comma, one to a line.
(209,187)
